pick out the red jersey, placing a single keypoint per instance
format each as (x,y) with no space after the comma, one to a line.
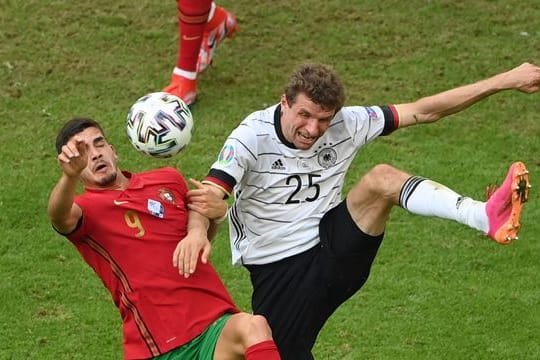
(128,237)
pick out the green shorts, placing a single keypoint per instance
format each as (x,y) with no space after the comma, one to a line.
(200,348)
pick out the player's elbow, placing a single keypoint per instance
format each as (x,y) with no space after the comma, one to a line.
(64,222)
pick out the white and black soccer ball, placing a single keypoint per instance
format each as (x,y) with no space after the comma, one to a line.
(159,124)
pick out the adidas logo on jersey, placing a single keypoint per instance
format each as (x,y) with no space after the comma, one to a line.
(278,165)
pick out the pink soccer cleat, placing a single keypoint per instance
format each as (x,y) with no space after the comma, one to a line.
(504,205)
(223,25)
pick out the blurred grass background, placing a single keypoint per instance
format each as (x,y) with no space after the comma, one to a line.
(437,290)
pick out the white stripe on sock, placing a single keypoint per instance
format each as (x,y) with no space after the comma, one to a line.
(191,75)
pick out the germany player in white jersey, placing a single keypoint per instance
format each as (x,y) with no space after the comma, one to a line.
(284,191)
(307,249)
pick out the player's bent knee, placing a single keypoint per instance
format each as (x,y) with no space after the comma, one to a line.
(260,325)
(384,172)
(257,330)
(378,188)
(252,329)
(380,179)
(376,180)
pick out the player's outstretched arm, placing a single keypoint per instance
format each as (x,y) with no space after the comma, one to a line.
(524,78)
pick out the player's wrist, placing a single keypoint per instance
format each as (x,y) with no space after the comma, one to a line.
(221,219)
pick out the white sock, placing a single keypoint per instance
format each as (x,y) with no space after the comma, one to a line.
(191,75)
(425,197)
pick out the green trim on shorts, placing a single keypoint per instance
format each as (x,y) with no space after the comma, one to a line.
(200,348)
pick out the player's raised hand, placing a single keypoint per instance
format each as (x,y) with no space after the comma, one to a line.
(525,78)
(73,158)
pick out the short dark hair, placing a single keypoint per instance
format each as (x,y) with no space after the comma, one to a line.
(320,83)
(72,128)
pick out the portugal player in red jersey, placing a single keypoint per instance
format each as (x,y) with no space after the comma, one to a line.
(127,227)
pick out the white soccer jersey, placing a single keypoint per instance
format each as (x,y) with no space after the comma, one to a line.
(281,193)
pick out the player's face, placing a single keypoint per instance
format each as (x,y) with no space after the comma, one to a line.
(101,170)
(304,121)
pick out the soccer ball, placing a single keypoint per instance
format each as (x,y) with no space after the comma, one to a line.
(159,124)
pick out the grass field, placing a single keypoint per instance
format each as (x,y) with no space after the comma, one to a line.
(437,290)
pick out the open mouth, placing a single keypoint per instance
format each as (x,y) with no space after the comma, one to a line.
(306,137)
(100,167)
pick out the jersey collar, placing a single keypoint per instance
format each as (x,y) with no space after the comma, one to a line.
(277,128)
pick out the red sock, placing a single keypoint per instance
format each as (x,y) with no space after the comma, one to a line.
(265,350)
(192,18)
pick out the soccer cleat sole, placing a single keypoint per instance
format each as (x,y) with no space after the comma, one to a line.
(520,195)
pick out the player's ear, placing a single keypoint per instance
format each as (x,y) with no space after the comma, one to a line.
(284,101)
